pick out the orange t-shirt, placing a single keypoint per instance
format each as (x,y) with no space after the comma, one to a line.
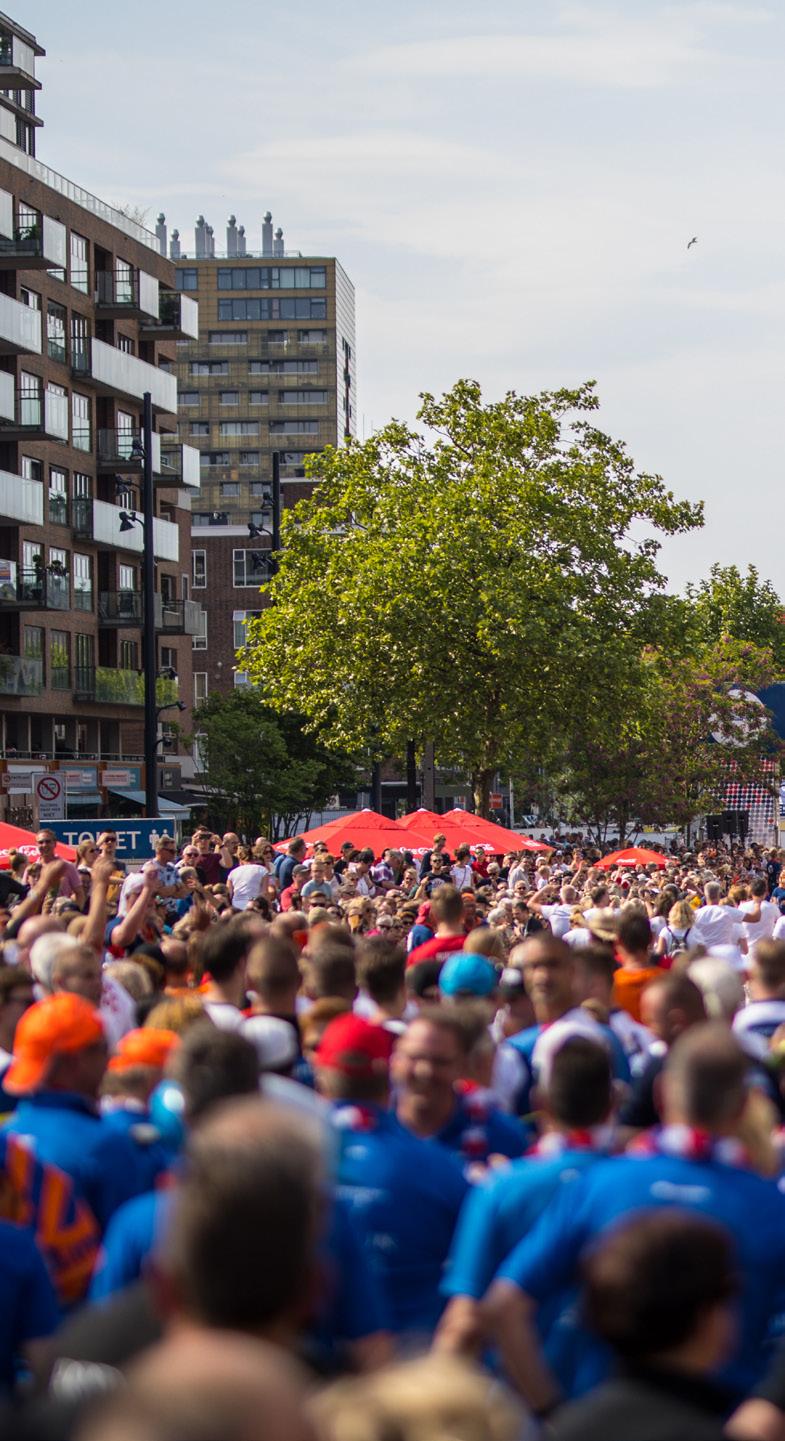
(629,983)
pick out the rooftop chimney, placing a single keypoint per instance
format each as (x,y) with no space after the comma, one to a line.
(174,246)
(200,238)
(278,242)
(241,240)
(267,234)
(231,236)
(160,231)
(210,241)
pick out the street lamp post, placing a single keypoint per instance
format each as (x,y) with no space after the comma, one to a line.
(149,655)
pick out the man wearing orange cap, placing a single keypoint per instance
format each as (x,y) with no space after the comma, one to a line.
(131,1077)
(59,1062)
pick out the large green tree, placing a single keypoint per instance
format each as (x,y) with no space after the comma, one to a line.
(473,582)
(264,771)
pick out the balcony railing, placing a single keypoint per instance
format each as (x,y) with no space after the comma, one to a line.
(120,608)
(123,451)
(178,617)
(178,316)
(115,372)
(57,508)
(136,294)
(20,328)
(17,63)
(109,686)
(21,499)
(35,590)
(180,464)
(31,415)
(21,675)
(37,246)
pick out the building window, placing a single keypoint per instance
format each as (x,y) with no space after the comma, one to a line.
(302,397)
(293,427)
(59,660)
(83,582)
(80,343)
(214,457)
(30,298)
(55,331)
(81,433)
(32,469)
(199,567)
(241,677)
(258,397)
(229,397)
(126,577)
(187,278)
(200,639)
(34,642)
(297,308)
(230,490)
(199,427)
(58,496)
(79,264)
(83,484)
(312,337)
(250,567)
(200,686)
(249,457)
(227,337)
(259,367)
(125,343)
(238,427)
(30,399)
(188,397)
(129,655)
(209,367)
(272,277)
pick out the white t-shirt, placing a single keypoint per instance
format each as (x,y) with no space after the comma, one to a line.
(778,934)
(716,926)
(462,877)
(226,1016)
(117,1011)
(246,883)
(761,930)
(559,917)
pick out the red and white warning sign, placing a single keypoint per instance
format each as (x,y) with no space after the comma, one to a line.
(50,798)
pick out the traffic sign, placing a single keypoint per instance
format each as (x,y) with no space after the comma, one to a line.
(496,801)
(50,798)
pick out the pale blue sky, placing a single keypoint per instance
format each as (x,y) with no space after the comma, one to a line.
(511,187)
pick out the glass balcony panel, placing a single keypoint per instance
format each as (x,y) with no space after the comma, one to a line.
(20,327)
(21,675)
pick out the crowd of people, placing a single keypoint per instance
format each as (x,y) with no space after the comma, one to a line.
(446,1147)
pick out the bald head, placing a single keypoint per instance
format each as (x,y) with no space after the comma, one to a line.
(198,1385)
(705,1079)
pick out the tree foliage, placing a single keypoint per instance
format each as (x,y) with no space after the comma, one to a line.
(740,605)
(265,773)
(487,581)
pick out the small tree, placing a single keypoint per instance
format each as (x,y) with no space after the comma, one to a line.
(264,773)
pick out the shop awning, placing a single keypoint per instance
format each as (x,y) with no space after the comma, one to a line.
(164,807)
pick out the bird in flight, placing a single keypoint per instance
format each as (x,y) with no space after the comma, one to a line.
(692,242)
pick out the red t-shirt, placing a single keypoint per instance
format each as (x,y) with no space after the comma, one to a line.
(436,950)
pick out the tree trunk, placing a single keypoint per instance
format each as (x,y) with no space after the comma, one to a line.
(482,781)
(411,777)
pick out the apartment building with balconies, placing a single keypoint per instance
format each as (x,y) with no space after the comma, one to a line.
(273,369)
(89,320)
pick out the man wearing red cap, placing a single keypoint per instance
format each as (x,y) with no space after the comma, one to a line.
(131,1077)
(59,1062)
(405,1194)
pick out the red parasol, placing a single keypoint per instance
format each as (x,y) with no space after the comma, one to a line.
(490,835)
(635,856)
(13,838)
(428,823)
(366,829)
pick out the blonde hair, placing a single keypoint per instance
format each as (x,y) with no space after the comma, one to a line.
(177,1013)
(434,1398)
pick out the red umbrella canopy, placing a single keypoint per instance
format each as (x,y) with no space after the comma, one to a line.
(490,835)
(635,856)
(428,823)
(13,838)
(366,829)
